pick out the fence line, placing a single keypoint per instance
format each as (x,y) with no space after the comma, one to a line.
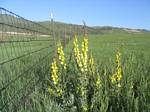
(26,49)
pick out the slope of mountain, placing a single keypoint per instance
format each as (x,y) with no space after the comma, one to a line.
(60,27)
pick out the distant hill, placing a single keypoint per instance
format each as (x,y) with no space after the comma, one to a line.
(60,27)
(13,21)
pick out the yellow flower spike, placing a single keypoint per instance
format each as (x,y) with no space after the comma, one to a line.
(98,81)
(91,65)
(85,54)
(113,78)
(54,72)
(116,78)
(59,92)
(81,57)
(61,55)
(77,55)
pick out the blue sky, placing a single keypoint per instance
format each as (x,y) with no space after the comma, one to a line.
(122,13)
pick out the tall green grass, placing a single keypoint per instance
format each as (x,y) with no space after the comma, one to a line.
(133,96)
(134,93)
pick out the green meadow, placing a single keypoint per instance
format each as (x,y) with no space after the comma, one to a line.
(135,84)
(135,58)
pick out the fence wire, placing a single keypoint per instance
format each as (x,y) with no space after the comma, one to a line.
(26,48)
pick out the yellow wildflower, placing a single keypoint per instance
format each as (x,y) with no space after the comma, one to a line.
(116,78)
(54,72)
(81,58)
(98,82)
(84,55)
(59,92)
(77,53)
(61,56)
(55,79)
(91,65)
(113,78)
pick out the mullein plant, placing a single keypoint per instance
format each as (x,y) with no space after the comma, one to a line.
(84,76)
(77,54)
(117,76)
(61,55)
(94,85)
(81,59)
(85,71)
(84,54)
(56,90)
(91,66)
(56,76)
(87,68)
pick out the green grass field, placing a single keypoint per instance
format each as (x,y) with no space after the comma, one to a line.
(135,58)
(106,44)
(23,61)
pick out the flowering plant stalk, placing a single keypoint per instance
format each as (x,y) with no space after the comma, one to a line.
(73,85)
(117,76)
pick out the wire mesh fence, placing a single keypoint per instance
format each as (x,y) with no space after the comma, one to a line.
(26,48)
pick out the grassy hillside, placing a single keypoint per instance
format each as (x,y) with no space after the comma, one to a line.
(71,28)
(61,28)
